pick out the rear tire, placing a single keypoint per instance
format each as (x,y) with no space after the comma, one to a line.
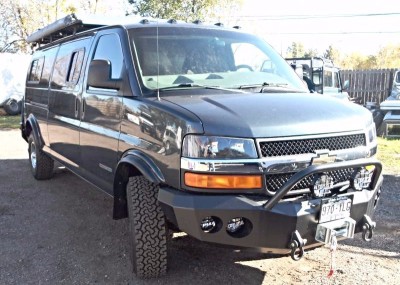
(41,164)
(147,229)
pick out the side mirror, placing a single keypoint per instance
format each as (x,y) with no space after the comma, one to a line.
(346,85)
(100,75)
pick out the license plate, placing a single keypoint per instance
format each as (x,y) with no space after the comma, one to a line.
(335,209)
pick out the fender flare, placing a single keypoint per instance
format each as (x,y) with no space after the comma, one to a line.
(34,128)
(141,165)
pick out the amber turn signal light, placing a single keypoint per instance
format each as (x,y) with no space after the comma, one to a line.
(217,181)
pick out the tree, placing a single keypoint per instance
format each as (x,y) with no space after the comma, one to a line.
(186,10)
(295,50)
(18,19)
(333,54)
(388,57)
(311,53)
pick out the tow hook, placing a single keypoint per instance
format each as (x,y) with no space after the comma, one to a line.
(368,228)
(296,245)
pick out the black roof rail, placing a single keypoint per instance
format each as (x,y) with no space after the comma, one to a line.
(237,27)
(172,21)
(61,28)
(197,22)
(219,24)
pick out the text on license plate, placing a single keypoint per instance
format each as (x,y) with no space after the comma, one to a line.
(335,209)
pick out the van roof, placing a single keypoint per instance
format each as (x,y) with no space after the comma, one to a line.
(71,25)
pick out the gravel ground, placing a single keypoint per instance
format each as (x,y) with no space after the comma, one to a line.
(61,232)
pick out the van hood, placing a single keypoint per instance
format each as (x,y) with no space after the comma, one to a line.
(265,115)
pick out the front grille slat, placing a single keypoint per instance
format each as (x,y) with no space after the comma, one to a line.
(310,145)
(275,181)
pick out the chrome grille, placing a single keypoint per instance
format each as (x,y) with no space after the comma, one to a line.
(275,181)
(310,145)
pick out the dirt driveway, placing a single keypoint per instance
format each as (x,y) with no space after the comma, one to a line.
(61,232)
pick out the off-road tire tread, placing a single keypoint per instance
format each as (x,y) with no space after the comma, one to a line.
(44,164)
(147,225)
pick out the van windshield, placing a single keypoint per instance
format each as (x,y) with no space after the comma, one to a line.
(185,57)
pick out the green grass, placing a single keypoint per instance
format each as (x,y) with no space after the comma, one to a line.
(389,155)
(9,122)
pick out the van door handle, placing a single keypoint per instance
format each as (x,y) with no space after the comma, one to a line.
(76,106)
(83,107)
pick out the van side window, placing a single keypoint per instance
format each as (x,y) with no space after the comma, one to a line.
(36,70)
(48,66)
(75,66)
(60,70)
(69,63)
(109,48)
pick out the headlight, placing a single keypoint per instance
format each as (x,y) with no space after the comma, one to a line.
(210,147)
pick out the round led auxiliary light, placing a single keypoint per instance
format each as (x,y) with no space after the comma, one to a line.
(361,179)
(322,185)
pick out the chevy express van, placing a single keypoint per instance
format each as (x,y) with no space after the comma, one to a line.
(185,127)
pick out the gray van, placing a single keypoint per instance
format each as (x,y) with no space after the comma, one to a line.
(254,159)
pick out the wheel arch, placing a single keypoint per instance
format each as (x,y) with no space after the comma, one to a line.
(132,163)
(32,127)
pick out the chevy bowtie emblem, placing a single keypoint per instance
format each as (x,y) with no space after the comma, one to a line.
(322,158)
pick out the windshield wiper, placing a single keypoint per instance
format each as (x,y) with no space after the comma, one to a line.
(182,85)
(191,85)
(270,87)
(262,85)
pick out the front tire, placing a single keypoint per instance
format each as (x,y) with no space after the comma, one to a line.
(41,164)
(147,229)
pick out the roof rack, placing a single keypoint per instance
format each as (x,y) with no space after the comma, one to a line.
(66,26)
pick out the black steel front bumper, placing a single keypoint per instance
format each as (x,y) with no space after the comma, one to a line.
(271,223)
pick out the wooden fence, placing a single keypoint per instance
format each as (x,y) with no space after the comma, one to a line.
(369,85)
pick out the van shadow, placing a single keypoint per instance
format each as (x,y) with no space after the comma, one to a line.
(195,262)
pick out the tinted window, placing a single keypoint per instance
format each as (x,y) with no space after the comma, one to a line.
(109,48)
(36,70)
(76,66)
(69,62)
(48,66)
(61,67)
